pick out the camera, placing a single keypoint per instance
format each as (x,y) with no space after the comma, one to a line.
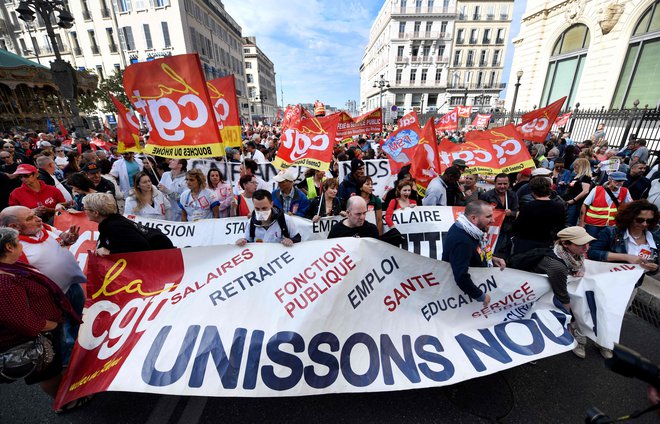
(628,363)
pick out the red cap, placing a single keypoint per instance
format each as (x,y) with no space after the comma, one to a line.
(25,169)
(526,172)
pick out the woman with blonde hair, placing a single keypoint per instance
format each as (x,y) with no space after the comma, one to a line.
(198,201)
(578,189)
(146,200)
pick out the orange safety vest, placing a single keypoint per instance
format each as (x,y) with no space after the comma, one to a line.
(599,213)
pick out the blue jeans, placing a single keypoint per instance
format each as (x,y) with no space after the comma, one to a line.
(593,230)
(76,297)
(573,214)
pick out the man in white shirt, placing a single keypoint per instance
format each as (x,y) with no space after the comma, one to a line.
(46,249)
(254,153)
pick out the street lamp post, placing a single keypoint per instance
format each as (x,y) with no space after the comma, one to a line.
(380,84)
(63,74)
(519,74)
(262,97)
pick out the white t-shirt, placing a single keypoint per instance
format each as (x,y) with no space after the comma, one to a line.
(199,207)
(642,250)
(44,252)
(159,210)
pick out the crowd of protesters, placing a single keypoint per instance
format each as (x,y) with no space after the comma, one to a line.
(586,199)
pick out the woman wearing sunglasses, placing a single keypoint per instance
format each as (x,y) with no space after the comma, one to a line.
(632,239)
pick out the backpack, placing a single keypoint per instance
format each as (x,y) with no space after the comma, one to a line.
(156,239)
(528,260)
(281,221)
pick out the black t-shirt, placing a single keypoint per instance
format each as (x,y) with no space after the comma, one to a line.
(539,220)
(575,187)
(341,230)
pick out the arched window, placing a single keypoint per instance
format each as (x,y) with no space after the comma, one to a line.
(566,64)
(639,76)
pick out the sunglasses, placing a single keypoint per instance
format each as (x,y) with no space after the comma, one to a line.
(649,221)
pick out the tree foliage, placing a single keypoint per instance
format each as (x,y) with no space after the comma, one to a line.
(99,100)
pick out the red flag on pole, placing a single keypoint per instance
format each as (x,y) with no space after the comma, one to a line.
(62,128)
(425,158)
(464,111)
(400,145)
(128,130)
(562,120)
(307,141)
(536,124)
(225,105)
(171,94)
(448,122)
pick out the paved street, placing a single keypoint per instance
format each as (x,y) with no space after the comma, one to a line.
(555,390)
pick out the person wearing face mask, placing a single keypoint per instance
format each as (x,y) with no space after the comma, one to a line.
(268,224)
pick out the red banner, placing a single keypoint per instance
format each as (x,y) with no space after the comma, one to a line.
(128,129)
(62,129)
(464,111)
(222,92)
(481,121)
(308,143)
(536,124)
(171,94)
(111,285)
(368,123)
(562,120)
(425,160)
(509,149)
(448,122)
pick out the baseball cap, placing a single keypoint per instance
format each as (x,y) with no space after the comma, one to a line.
(618,176)
(25,169)
(46,144)
(526,172)
(287,175)
(576,235)
(542,172)
(356,164)
(460,163)
(91,167)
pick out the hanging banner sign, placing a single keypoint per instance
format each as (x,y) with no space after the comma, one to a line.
(222,92)
(171,94)
(332,317)
(562,120)
(368,123)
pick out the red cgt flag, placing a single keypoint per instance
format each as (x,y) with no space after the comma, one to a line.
(510,150)
(481,120)
(128,130)
(562,120)
(307,141)
(448,122)
(171,94)
(425,164)
(225,105)
(536,124)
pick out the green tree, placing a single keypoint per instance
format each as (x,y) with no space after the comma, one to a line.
(99,100)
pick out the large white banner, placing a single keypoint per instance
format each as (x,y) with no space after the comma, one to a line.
(378,170)
(327,316)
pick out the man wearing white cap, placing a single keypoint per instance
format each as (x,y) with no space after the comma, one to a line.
(601,204)
(290,199)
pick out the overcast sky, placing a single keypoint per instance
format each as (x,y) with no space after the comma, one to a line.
(316,45)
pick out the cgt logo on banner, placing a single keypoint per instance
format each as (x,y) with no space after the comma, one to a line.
(307,142)
(506,146)
(333,318)
(222,92)
(423,228)
(368,123)
(176,104)
(481,120)
(536,124)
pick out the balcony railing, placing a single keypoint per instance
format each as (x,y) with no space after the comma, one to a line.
(401,59)
(460,41)
(483,63)
(490,17)
(402,35)
(504,17)
(427,35)
(473,41)
(499,41)
(441,59)
(496,63)
(77,51)
(419,59)
(462,17)
(86,15)
(95,50)
(114,48)
(476,86)
(469,63)
(409,10)
(105,12)
(485,41)
(476,17)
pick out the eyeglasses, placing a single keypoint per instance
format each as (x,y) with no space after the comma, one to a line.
(25,176)
(649,221)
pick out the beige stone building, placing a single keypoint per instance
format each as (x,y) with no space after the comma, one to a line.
(260,78)
(599,53)
(477,59)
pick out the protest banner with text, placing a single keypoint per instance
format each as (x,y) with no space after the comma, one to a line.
(448,122)
(171,94)
(308,142)
(332,318)
(536,125)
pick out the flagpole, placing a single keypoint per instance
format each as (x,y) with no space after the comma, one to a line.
(153,171)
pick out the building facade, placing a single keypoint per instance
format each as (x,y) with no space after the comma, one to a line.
(109,35)
(598,53)
(260,79)
(434,54)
